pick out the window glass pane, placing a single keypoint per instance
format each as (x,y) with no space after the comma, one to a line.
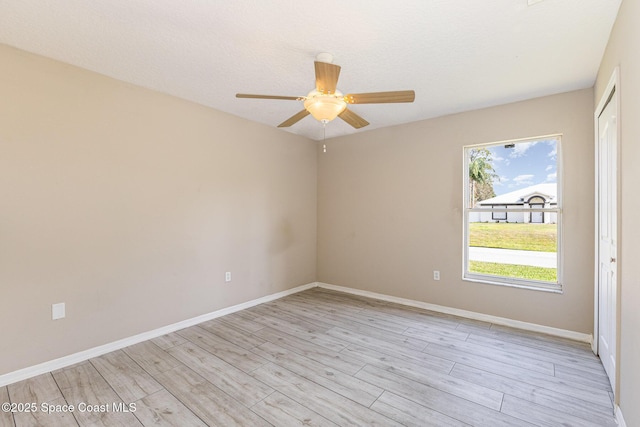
(512,211)
(514,249)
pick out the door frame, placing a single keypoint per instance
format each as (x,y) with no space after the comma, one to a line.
(612,86)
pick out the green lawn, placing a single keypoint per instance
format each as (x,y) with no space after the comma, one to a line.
(518,271)
(529,237)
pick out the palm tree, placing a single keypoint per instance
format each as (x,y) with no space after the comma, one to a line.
(481,172)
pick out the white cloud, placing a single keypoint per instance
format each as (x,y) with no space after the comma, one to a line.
(523,179)
(553,153)
(500,180)
(549,167)
(552,177)
(521,148)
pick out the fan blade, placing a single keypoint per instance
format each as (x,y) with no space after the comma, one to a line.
(380,97)
(294,119)
(353,119)
(286,98)
(326,77)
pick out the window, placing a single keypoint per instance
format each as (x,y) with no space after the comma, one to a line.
(499,215)
(512,213)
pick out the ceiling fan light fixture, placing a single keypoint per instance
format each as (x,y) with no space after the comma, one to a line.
(324,107)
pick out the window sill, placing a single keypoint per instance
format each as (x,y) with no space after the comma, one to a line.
(532,286)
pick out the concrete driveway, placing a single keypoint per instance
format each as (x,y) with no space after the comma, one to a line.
(511,256)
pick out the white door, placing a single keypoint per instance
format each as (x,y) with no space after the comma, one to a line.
(607,232)
(537,217)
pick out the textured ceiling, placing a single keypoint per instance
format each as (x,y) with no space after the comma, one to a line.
(457,55)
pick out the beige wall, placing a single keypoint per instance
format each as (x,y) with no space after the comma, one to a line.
(129,206)
(390,210)
(622,51)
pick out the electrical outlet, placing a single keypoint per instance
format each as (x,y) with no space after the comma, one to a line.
(436,275)
(227,276)
(57,311)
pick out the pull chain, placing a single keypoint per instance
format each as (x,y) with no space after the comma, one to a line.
(324,137)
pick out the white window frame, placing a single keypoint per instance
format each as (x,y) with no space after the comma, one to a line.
(503,280)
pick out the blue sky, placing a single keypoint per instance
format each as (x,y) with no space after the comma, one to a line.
(527,163)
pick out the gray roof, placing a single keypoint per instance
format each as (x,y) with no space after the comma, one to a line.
(548,191)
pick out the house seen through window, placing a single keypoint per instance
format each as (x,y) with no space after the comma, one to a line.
(512,213)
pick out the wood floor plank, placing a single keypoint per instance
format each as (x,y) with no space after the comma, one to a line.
(541,415)
(243,320)
(6,418)
(592,366)
(39,390)
(307,309)
(411,319)
(363,318)
(84,385)
(327,307)
(411,414)
(300,319)
(151,358)
(310,334)
(227,331)
(236,383)
(436,330)
(538,395)
(390,349)
(346,322)
(162,409)
(281,411)
(577,375)
(452,406)
(333,359)
(46,417)
(125,376)
(598,397)
(373,357)
(209,403)
(235,355)
(169,340)
(42,388)
(385,313)
(441,381)
(374,332)
(372,321)
(346,385)
(526,362)
(342,318)
(348,334)
(420,316)
(544,342)
(330,405)
(340,298)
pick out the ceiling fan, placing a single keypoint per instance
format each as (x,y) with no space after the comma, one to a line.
(325,102)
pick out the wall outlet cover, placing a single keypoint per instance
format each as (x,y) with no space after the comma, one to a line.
(58,311)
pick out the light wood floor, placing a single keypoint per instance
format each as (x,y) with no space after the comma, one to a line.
(323,358)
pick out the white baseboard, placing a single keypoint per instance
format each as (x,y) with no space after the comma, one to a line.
(576,336)
(619,417)
(71,359)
